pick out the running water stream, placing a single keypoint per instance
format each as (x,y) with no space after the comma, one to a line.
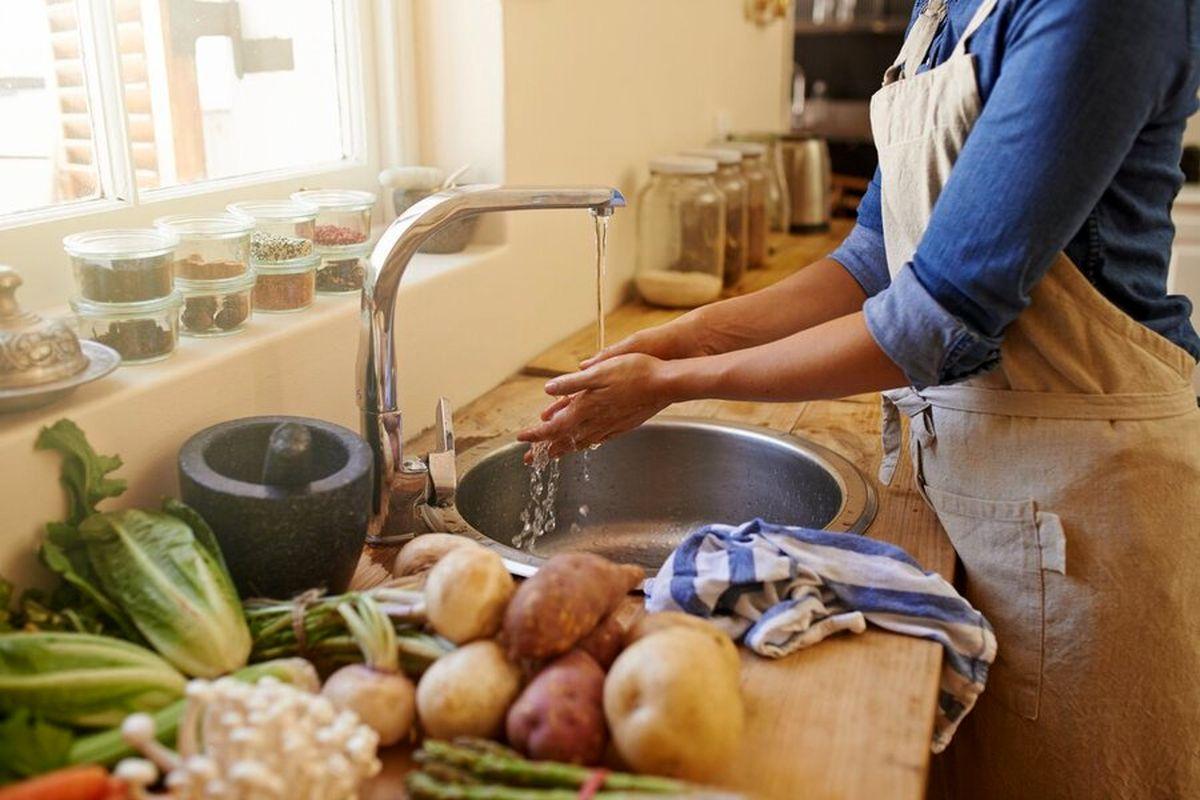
(540,514)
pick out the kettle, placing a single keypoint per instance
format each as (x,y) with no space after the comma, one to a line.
(809,174)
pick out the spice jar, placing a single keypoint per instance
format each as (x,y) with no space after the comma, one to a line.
(141,332)
(779,200)
(211,246)
(122,266)
(283,230)
(343,215)
(342,270)
(681,233)
(215,308)
(287,286)
(732,183)
(757,180)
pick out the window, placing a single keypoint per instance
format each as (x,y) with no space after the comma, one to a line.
(128,101)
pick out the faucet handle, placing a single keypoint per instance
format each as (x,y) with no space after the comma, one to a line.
(443,474)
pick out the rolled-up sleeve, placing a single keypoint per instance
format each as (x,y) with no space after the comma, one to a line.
(1079,81)
(862,253)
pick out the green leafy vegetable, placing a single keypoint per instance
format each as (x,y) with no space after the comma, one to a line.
(29,746)
(176,591)
(82,680)
(84,472)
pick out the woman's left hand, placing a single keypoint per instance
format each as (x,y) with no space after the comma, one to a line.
(608,398)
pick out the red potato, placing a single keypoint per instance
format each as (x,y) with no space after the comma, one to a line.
(560,715)
(551,611)
(607,640)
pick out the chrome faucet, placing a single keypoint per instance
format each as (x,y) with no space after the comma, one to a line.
(404,486)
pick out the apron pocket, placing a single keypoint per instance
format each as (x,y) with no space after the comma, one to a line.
(1004,547)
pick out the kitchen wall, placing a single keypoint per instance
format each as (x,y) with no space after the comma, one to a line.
(528,91)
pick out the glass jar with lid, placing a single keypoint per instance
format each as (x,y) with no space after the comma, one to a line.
(142,332)
(733,185)
(343,269)
(754,168)
(779,202)
(215,307)
(122,265)
(343,215)
(286,286)
(283,229)
(211,246)
(681,233)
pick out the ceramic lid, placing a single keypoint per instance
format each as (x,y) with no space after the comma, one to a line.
(33,351)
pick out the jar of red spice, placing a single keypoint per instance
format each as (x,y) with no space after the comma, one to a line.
(287,285)
(343,215)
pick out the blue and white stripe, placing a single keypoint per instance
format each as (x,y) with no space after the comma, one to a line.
(779,589)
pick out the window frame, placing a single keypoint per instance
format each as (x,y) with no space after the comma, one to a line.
(360,45)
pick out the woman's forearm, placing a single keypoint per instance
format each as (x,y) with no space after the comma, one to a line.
(822,291)
(837,358)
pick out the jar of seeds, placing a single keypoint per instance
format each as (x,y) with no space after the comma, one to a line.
(680,233)
(343,215)
(211,246)
(286,286)
(142,332)
(215,307)
(122,265)
(754,169)
(283,230)
(732,183)
(342,270)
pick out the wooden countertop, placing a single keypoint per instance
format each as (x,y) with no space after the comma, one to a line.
(849,718)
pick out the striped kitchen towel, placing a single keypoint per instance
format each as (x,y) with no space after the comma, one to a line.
(779,589)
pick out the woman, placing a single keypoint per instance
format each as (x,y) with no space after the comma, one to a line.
(1009,264)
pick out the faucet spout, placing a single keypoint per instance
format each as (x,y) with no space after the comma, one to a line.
(377,383)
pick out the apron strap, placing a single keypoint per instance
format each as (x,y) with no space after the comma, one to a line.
(911,404)
(985,10)
(917,43)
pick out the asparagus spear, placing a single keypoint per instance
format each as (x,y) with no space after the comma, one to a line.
(422,786)
(489,765)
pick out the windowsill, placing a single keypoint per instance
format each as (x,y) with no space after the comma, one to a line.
(267,339)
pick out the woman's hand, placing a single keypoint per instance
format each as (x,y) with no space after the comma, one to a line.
(610,397)
(680,338)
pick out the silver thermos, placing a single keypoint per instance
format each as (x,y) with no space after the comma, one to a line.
(810,181)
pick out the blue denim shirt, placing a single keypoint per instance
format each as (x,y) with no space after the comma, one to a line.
(1077,149)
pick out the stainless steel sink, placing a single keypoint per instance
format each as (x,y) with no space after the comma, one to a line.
(634,499)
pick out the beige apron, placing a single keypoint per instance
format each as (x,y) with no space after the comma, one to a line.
(1068,480)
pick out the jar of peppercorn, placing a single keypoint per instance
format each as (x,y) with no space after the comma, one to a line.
(283,229)
(215,307)
(142,332)
(343,215)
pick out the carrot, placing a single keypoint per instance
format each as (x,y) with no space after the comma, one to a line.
(88,782)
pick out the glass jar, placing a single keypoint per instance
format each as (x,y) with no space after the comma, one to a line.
(342,270)
(754,169)
(283,229)
(732,183)
(215,307)
(681,233)
(779,200)
(211,246)
(141,332)
(343,215)
(122,265)
(286,286)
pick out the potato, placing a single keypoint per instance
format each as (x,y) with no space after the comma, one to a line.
(560,715)
(424,551)
(467,692)
(672,705)
(466,593)
(563,602)
(607,639)
(662,620)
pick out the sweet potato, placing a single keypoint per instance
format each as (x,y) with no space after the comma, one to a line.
(651,623)
(563,602)
(560,715)
(607,639)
